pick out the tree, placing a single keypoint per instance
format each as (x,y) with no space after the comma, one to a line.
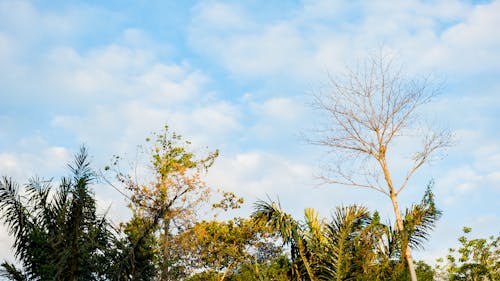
(424,271)
(367,110)
(166,206)
(222,248)
(475,259)
(57,236)
(276,269)
(135,252)
(272,215)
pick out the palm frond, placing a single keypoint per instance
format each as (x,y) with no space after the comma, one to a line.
(37,192)
(10,272)
(271,214)
(315,226)
(420,219)
(15,215)
(346,224)
(81,170)
(57,234)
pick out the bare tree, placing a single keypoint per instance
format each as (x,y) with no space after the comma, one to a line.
(367,109)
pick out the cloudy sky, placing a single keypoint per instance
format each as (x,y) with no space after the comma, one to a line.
(236,76)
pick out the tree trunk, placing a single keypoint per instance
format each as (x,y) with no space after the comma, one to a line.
(165,272)
(310,273)
(399,222)
(399,219)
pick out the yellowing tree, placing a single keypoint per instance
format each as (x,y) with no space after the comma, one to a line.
(365,112)
(167,204)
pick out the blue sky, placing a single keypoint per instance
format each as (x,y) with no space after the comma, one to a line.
(235,75)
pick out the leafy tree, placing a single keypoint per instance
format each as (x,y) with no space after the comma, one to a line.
(367,110)
(166,206)
(277,269)
(424,271)
(475,259)
(224,247)
(135,253)
(57,236)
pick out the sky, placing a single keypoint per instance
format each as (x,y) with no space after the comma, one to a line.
(238,76)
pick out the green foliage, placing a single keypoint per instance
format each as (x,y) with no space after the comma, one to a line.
(420,219)
(169,153)
(424,271)
(475,259)
(135,253)
(10,272)
(164,206)
(229,201)
(272,215)
(57,236)
(225,247)
(276,269)
(354,244)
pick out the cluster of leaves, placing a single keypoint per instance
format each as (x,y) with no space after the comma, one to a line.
(57,237)
(237,249)
(163,207)
(475,259)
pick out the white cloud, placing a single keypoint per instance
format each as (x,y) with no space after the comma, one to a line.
(9,164)
(121,94)
(276,117)
(113,129)
(259,174)
(33,28)
(102,72)
(6,240)
(284,109)
(171,83)
(322,9)
(114,74)
(470,45)
(255,53)
(477,29)
(216,118)
(447,35)
(44,161)
(466,182)
(266,53)
(257,50)
(256,174)
(220,16)
(121,127)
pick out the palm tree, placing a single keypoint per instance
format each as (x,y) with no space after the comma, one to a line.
(354,245)
(272,215)
(57,235)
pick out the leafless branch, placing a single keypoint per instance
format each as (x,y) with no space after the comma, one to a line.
(353,184)
(431,144)
(367,108)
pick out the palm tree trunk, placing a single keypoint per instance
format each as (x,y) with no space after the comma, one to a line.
(304,259)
